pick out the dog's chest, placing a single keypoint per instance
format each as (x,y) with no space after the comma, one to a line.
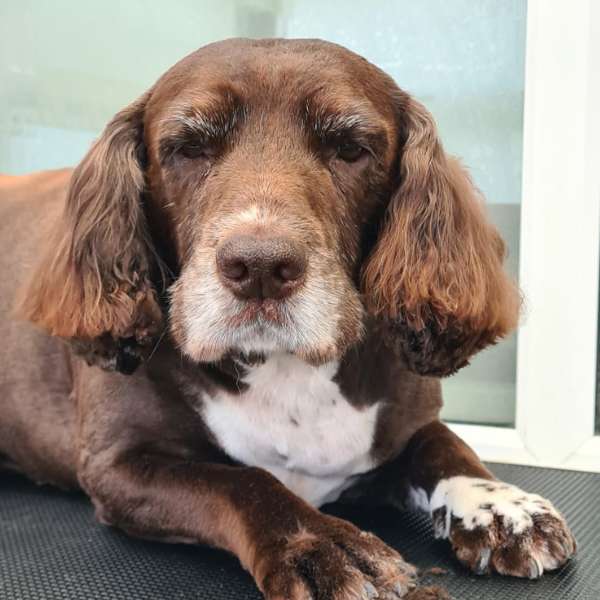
(293,421)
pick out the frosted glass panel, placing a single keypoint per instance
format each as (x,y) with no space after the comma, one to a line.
(66,67)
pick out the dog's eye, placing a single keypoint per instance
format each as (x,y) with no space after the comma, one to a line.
(349,151)
(194,150)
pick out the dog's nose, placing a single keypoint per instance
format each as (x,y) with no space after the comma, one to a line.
(255,267)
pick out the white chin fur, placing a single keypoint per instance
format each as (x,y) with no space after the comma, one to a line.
(255,337)
(307,325)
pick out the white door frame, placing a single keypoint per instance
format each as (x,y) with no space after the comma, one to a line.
(560,245)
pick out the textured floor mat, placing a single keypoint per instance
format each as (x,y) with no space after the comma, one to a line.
(51,548)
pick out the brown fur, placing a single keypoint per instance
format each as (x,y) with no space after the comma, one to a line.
(95,276)
(397,248)
(437,268)
(435,272)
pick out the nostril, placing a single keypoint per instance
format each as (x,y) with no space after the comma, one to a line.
(234,269)
(289,270)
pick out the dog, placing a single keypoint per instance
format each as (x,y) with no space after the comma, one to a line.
(238,307)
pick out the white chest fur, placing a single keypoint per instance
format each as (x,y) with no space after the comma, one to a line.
(294,422)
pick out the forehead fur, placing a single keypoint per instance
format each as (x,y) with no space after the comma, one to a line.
(257,68)
(319,82)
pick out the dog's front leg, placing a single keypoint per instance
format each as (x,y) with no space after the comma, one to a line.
(492,526)
(292,550)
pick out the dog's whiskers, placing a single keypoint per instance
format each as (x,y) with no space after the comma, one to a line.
(158,341)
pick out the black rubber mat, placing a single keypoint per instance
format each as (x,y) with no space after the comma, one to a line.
(51,548)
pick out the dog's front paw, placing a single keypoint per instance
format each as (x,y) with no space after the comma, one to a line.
(332,559)
(494,526)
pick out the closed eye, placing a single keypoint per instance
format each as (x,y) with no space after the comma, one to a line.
(349,151)
(195,134)
(346,136)
(194,150)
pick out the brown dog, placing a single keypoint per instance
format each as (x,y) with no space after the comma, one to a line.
(275,234)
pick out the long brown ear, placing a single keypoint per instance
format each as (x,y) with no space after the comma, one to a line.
(94,281)
(436,272)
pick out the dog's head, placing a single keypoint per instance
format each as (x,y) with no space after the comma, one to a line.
(270,195)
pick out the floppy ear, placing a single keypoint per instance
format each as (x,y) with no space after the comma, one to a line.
(94,282)
(436,272)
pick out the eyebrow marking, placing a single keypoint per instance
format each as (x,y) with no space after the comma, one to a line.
(336,123)
(210,123)
(194,121)
(356,120)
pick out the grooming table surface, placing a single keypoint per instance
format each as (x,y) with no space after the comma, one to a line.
(51,548)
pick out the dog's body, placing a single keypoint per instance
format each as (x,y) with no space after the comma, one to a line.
(292,291)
